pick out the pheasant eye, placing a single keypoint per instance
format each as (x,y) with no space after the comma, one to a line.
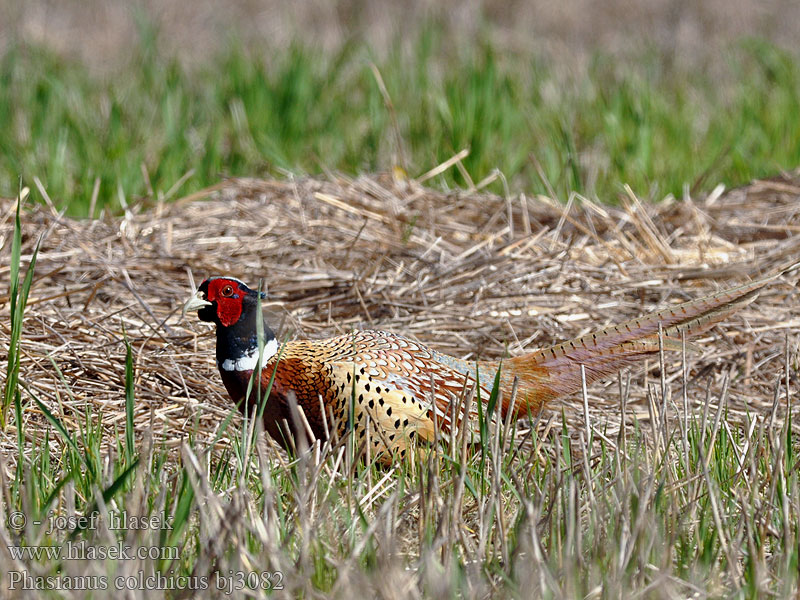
(227,291)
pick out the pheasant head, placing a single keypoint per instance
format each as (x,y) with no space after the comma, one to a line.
(233,308)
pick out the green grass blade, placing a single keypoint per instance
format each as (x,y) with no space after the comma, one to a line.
(18,300)
(129,400)
(182,510)
(494,395)
(67,437)
(109,493)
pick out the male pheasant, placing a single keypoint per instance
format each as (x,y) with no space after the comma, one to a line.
(394,387)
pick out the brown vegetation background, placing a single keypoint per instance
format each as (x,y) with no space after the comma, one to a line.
(474,275)
(102,32)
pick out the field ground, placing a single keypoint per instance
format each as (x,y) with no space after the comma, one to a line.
(681,478)
(677,503)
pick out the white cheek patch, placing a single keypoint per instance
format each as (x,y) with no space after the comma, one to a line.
(249,360)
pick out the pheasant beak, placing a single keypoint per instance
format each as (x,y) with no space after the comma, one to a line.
(195,303)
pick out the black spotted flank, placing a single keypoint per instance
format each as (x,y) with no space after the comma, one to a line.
(389,411)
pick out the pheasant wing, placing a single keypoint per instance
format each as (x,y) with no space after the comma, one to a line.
(386,417)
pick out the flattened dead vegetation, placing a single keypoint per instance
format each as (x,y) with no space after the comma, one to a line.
(469,273)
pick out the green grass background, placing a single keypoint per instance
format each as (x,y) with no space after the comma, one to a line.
(644,121)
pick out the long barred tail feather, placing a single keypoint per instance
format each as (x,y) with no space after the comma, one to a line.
(555,371)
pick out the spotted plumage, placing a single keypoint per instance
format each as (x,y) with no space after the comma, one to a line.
(387,390)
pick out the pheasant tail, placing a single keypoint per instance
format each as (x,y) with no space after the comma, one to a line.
(556,371)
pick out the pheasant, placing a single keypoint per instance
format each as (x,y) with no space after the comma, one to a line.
(387,389)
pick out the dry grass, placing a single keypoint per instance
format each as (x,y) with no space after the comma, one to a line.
(470,274)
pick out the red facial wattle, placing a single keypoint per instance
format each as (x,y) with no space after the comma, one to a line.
(228,298)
